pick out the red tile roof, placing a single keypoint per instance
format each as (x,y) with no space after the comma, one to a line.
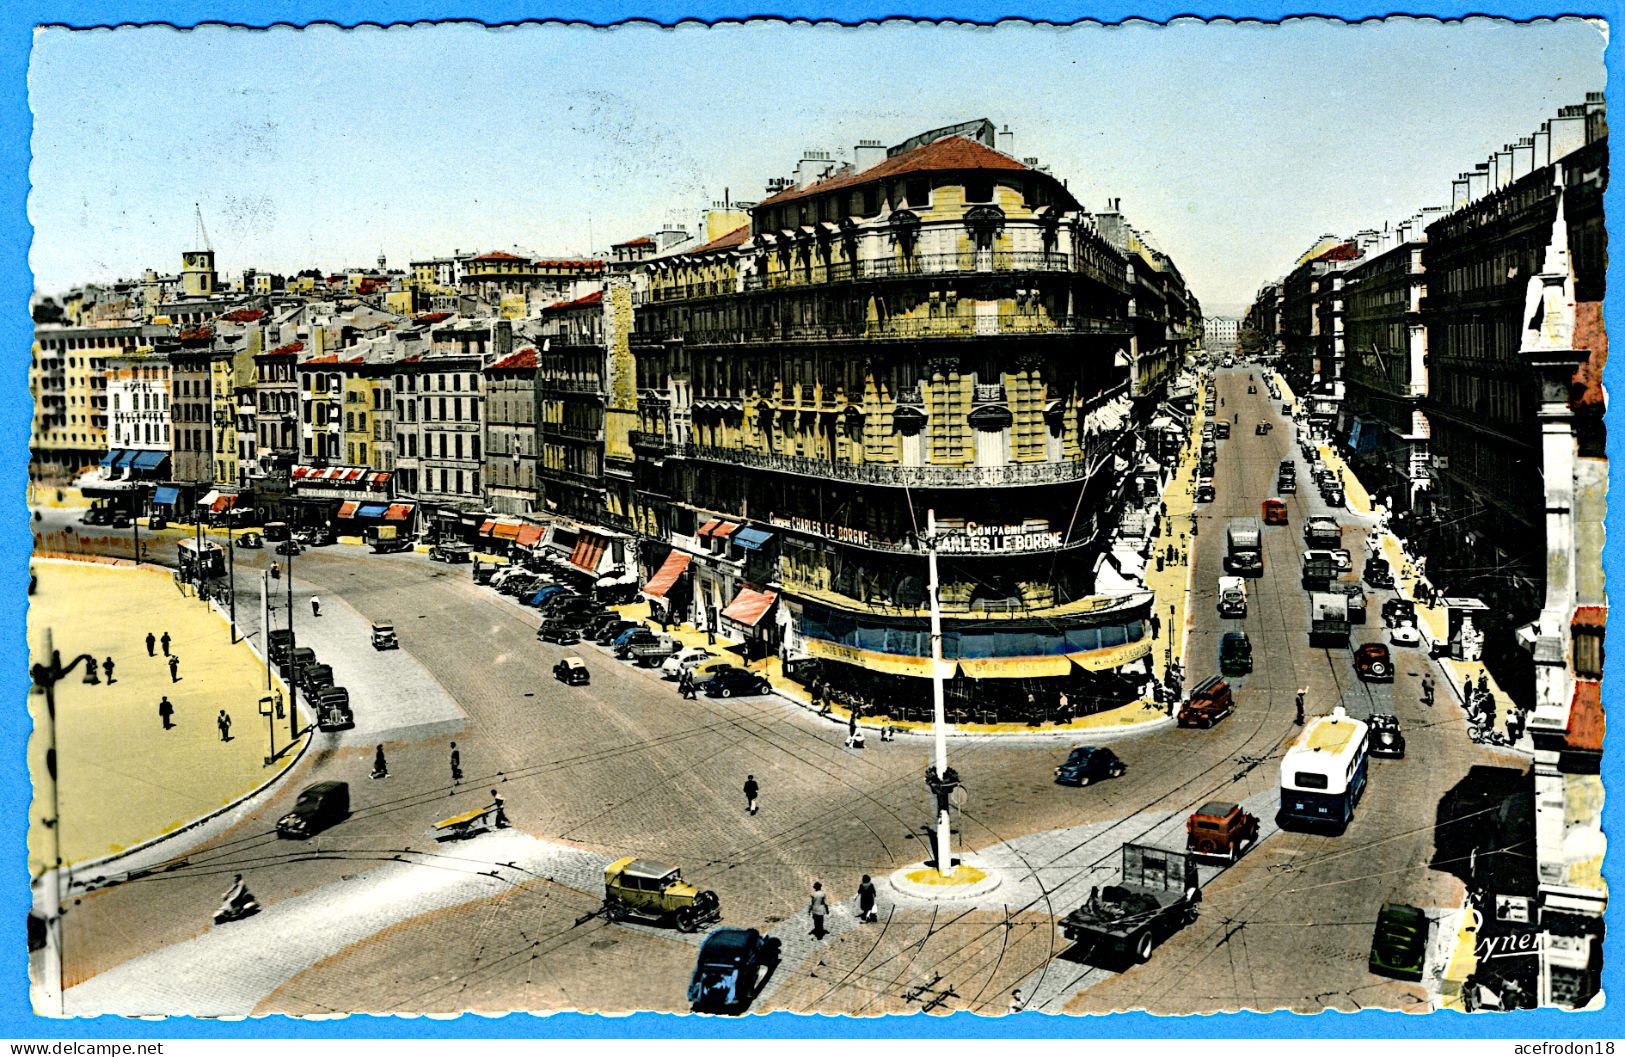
(587,265)
(498,256)
(594,298)
(323,359)
(522,360)
(641,240)
(1586,720)
(243,315)
(1347,251)
(725,242)
(288,349)
(432,317)
(196,334)
(950,154)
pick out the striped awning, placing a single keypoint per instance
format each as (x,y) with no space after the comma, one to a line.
(398,512)
(300,472)
(588,550)
(348,508)
(666,576)
(749,606)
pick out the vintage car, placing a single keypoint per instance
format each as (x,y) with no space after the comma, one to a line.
(1377,572)
(383,637)
(572,671)
(730,969)
(608,630)
(278,642)
(636,887)
(735,682)
(454,553)
(290,546)
(297,659)
(1085,763)
(1251,389)
(1220,830)
(1205,492)
(1397,611)
(1286,484)
(1235,653)
(483,571)
(312,677)
(1373,663)
(683,661)
(556,632)
(1386,739)
(1262,429)
(251,541)
(332,705)
(1223,432)
(1210,702)
(1404,635)
(1399,946)
(1274,512)
(320,806)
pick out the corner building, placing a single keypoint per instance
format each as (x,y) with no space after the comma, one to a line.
(937,329)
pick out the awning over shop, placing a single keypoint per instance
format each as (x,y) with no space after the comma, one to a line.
(372,510)
(666,576)
(506,528)
(210,499)
(488,526)
(708,528)
(723,531)
(348,508)
(752,538)
(166,495)
(398,512)
(1014,667)
(222,503)
(588,550)
(749,606)
(113,456)
(148,460)
(529,535)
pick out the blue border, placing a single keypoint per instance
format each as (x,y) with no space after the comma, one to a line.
(16,1020)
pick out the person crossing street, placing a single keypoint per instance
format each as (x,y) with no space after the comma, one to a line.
(752,791)
(1302,693)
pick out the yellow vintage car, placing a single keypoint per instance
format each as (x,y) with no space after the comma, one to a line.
(636,887)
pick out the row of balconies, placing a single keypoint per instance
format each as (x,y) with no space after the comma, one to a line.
(571,385)
(889,475)
(573,431)
(954,327)
(969,262)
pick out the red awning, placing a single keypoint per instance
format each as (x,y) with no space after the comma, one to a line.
(301,472)
(749,606)
(379,479)
(398,512)
(724,530)
(670,569)
(489,524)
(225,502)
(1586,719)
(589,548)
(708,528)
(348,508)
(354,473)
(506,529)
(529,535)
(1590,617)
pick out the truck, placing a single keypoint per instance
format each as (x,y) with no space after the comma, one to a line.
(654,654)
(1155,898)
(1350,590)
(386,539)
(1322,531)
(1232,597)
(1244,553)
(1328,619)
(1319,569)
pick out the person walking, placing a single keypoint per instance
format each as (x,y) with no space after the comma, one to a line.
(174,668)
(1017,1003)
(152,645)
(165,711)
(380,767)
(866,900)
(685,685)
(1156,626)
(223,721)
(1302,693)
(107,666)
(315,606)
(456,764)
(752,791)
(164,642)
(1427,690)
(852,726)
(1483,684)
(818,909)
(497,803)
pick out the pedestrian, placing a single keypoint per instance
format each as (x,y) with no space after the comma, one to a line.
(164,642)
(752,790)
(685,685)
(852,726)
(456,764)
(1302,693)
(866,900)
(380,767)
(166,710)
(1017,1003)
(1427,690)
(107,666)
(818,909)
(174,667)
(1483,683)
(223,721)
(315,606)
(501,820)
(152,643)
(1156,626)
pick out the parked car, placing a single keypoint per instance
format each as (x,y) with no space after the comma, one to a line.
(1397,611)
(1386,739)
(1377,572)
(735,682)
(278,642)
(1220,830)
(730,969)
(313,677)
(639,888)
(555,632)
(1373,663)
(454,553)
(610,631)
(1210,702)
(684,660)
(290,546)
(332,706)
(1405,635)
(1205,492)
(572,671)
(320,806)
(1085,763)
(633,636)
(299,657)
(1399,946)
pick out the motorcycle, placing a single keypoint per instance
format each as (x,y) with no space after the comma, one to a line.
(239,904)
(1487,735)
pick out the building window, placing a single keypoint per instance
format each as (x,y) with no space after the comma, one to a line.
(976,190)
(917,192)
(1588,652)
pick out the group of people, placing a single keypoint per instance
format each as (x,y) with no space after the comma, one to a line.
(818,907)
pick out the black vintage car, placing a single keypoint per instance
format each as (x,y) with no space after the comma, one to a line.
(734,682)
(558,633)
(1378,573)
(1397,611)
(319,807)
(729,970)
(1205,492)
(1086,763)
(1386,740)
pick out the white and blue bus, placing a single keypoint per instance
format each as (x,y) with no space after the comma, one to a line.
(1323,773)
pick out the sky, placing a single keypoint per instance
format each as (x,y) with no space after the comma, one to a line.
(1234,146)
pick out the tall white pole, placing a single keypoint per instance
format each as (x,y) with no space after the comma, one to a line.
(945,857)
(265,624)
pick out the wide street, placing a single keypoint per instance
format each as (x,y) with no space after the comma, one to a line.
(375,915)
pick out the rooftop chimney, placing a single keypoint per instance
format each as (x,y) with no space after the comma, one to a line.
(1007,141)
(867,154)
(814,164)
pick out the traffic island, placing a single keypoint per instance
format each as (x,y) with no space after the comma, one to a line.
(970,879)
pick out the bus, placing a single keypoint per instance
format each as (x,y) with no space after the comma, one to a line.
(1324,772)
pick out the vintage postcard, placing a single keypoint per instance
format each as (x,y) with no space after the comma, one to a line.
(867,520)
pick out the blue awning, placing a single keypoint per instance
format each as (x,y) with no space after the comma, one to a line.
(125,458)
(1364,434)
(165,495)
(148,460)
(111,457)
(751,538)
(372,510)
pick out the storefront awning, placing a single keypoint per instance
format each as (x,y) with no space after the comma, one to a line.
(222,503)
(488,526)
(398,512)
(299,473)
(372,510)
(724,530)
(148,460)
(1014,667)
(113,456)
(348,508)
(166,495)
(588,550)
(752,538)
(749,606)
(506,528)
(708,528)
(666,576)
(529,535)
(209,500)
